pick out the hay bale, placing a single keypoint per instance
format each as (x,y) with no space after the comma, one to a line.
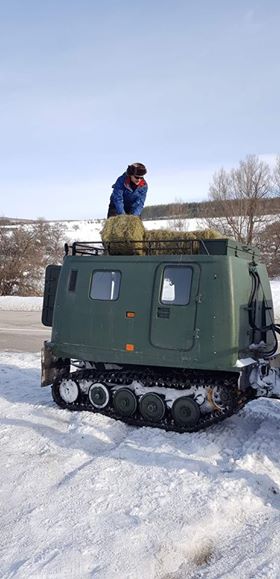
(207,234)
(125,234)
(121,233)
(177,242)
(166,241)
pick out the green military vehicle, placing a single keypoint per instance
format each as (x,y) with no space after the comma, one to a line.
(176,339)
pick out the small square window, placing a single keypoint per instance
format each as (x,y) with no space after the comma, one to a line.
(176,285)
(105,285)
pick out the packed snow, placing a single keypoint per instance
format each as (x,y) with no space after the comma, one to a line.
(19,303)
(83,496)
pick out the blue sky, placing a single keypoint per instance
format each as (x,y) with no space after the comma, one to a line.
(88,86)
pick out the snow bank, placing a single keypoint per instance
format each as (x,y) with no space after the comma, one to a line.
(35,303)
(275,290)
(85,496)
(17,303)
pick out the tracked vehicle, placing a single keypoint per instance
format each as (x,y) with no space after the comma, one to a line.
(176,339)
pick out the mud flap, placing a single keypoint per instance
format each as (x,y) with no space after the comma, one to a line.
(52,367)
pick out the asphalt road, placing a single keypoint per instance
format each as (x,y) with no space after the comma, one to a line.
(22,331)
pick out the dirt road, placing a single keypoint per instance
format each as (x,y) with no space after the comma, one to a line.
(22,331)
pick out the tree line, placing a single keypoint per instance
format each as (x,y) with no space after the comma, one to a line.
(202,209)
(229,187)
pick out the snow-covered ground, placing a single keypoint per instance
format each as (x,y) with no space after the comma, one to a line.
(83,496)
(16,303)
(90,230)
(275,290)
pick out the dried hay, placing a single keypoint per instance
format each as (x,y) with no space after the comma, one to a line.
(207,234)
(177,242)
(120,234)
(169,242)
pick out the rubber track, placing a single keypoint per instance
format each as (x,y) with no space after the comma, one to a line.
(172,380)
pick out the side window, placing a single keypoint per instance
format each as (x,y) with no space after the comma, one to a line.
(105,285)
(176,285)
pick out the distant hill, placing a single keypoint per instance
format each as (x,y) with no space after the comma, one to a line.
(15,221)
(201,210)
(193,210)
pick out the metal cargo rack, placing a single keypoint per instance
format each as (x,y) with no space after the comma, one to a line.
(131,247)
(228,247)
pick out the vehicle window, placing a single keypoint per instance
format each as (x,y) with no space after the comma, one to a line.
(105,285)
(176,285)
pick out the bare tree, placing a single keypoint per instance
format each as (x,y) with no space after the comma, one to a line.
(51,237)
(178,216)
(25,251)
(276,175)
(238,195)
(268,241)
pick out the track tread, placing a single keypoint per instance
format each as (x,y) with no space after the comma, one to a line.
(173,379)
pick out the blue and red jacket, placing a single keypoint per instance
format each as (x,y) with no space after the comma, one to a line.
(125,199)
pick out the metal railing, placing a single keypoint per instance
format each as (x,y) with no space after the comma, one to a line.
(131,247)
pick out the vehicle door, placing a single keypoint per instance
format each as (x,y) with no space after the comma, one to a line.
(174,306)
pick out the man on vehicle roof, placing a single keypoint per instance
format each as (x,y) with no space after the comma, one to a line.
(129,192)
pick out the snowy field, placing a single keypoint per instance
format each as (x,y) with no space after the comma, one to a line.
(84,230)
(83,496)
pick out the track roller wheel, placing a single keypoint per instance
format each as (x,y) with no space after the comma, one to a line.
(125,402)
(221,398)
(152,407)
(98,395)
(65,393)
(185,411)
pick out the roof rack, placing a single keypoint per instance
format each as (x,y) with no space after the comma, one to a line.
(132,247)
(220,246)
(84,248)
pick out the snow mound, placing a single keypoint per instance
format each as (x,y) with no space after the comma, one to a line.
(18,303)
(85,496)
